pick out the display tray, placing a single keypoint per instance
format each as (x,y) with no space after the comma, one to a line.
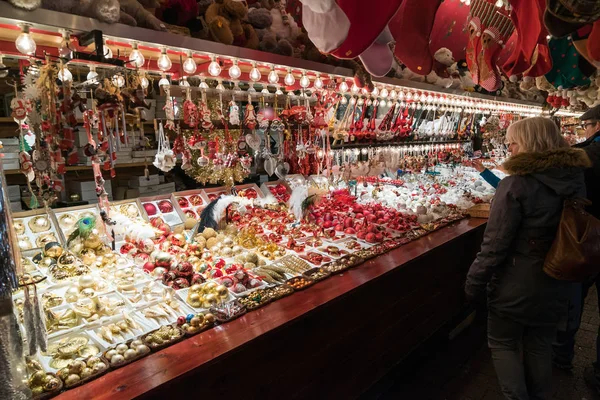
(173,370)
(163,207)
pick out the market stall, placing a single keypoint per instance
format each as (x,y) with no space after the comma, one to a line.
(328,235)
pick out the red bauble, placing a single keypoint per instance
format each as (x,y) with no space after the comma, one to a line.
(165,206)
(150,209)
(149,267)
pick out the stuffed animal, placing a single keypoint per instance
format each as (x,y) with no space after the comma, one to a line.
(466,80)
(134,12)
(103,10)
(440,73)
(225,21)
(261,20)
(26,4)
(283,25)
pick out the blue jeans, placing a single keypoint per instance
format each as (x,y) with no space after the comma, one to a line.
(522,358)
(564,345)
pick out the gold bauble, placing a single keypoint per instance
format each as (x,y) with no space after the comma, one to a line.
(211,300)
(76,247)
(52,384)
(195,288)
(222,291)
(209,287)
(37,378)
(88,256)
(92,242)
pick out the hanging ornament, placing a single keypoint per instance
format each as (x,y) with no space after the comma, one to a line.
(249,116)
(234,113)
(164,159)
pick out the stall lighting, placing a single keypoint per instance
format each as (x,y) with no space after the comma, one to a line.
(214,69)
(354,89)
(64,74)
(393,94)
(375,92)
(203,84)
(3,69)
(382,103)
(64,50)
(278,92)
(189,65)
(144,82)
(265,91)
(183,82)
(92,75)
(118,80)
(255,74)
(289,79)
(318,83)
(220,86)
(24,42)
(234,71)
(343,87)
(353,101)
(164,62)
(344,100)
(273,77)
(163,81)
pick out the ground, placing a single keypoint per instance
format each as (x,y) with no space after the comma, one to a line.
(462,369)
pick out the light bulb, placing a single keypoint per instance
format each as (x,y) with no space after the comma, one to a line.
(203,84)
(290,93)
(265,91)
(468,2)
(273,77)
(382,103)
(107,51)
(343,87)
(3,69)
(355,89)
(361,101)
(393,94)
(251,89)
(304,81)
(384,93)
(163,81)
(24,42)
(369,102)
(214,68)
(136,57)
(499,3)
(401,95)
(189,65)
(220,86)
(409,96)
(353,101)
(164,62)
(183,82)
(289,79)
(234,70)
(365,91)
(118,81)
(63,49)
(65,75)
(278,92)
(144,82)
(344,100)
(375,91)
(254,73)
(318,83)
(92,75)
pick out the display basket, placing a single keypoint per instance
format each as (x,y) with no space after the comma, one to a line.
(479,211)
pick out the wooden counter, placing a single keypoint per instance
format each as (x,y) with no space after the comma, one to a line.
(332,340)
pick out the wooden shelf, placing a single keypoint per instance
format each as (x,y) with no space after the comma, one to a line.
(87,167)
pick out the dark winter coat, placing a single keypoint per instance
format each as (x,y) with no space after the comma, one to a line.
(521,228)
(592,175)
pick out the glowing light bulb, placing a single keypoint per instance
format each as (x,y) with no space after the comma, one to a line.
(393,94)
(118,80)
(384,93)
(369,102)
(353,101)
(355,89)
(63,49)
(144,82)
(273,77)
(92,75)
(203,84)
(24,42)
(265,91)
(65,75)
(375,92)
(183,82)
(164,62)
(278,92)
(234,71)
(365,91)
(318,83)
(344,100)
(163,81)
(304,81)
(382,103)
(251,89)
(361,101)
(255,73)
(290,93)
(499,3)
(136,57)
(220,86)
(343,87)
(189,65)
(214,68)
(401,95)
(3,69)
(289,79)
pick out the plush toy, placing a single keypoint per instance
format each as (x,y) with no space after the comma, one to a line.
(283,25)
(103,10)
(440,73)
(261,20)
(26,4)
(134,12)
(225,21)
(466,80)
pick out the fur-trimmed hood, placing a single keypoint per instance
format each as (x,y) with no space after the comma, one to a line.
(561,170)
(529,163)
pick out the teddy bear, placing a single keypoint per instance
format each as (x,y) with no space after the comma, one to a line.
(261,20)
(440,73)
(284,26)
(225,19)
(26,4)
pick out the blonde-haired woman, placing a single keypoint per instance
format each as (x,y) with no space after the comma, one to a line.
(525,304)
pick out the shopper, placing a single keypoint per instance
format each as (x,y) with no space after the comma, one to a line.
(564,347)
(485,173)
(524,303)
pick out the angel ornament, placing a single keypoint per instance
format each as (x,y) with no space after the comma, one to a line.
(250,117)
(234,113)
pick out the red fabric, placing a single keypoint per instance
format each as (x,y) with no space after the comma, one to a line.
(474,47)
(448,29)
(489,78)
(367,20)
(593,44)
(411,27)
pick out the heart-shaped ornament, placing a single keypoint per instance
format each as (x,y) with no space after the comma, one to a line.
(282,169)
(270,164)
(253,141)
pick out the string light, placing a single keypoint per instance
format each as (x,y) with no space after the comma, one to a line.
(289,79)
(273,76)
(92,75)
(164,62)
(189,65)
(393,94)
(383,93)
(318,83)
(163,81)
(265,91)
(118,80)
(355,89)
(3,69)
(24,42)
(214,68)
(375,91)
(220,86)
(234,71)
(343,87)
(353,101)
(136,57)
(255,74)
(344,100)
(499,3)
(63,49)
(304,81)
(203,84)
(183,82)
(64,74)
(278,92)
(144,82)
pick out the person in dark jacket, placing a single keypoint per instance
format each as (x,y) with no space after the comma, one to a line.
(524,303)
(564,347)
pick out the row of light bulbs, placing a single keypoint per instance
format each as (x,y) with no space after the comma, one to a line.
(26,45)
